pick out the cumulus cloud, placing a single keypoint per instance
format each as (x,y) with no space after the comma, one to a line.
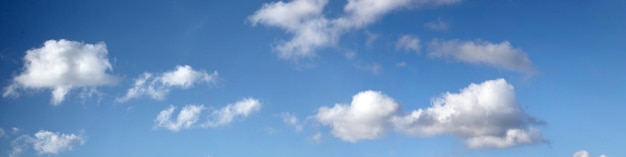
(409,43)
(484,115)
(242,108)
(499,55)
(186,118)
(157,86)
(311,29)
(62,65)
(46,142)
(191,115)
(366,117)
(584,153)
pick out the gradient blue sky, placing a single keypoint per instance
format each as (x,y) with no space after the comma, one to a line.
(572,81)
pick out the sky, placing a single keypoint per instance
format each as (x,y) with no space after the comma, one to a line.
(341,78)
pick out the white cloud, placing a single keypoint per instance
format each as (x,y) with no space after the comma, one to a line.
(365,118)
(438,25)
(409,43)
(242,108)
(2,132)
(484,115)
(186,118)
(292,121)
(157,86)
(61,65)
(311,29)
(191,115)
(583,153)
(46,142)
(500,55)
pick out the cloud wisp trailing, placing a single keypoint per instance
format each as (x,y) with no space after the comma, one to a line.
(157,86)
(62,65)
(191,116)
(485,115)
(499,55)
(311,29)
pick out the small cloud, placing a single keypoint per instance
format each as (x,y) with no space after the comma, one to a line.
(584,153)
(46,142)
(401,64)
(374,68)
(371,37)
(317,138)
(157,86)
(190,115)
(438,25)
(242,108)
(291,120)
(409,43)
(186,118)
(499,55)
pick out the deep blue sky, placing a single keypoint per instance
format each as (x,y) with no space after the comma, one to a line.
(577,50)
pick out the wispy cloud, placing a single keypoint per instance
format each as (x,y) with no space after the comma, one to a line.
(499,55)
(311,29)
(157,86)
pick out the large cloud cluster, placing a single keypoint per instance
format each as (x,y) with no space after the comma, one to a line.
(484,115)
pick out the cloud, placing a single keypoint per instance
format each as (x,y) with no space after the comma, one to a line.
(584,153)
(311,29)
(484,115)
(374,68)
(409,43)
(438,25)
(292,121)
(366,117)
(2,132)
(190,115)
(46,142)
(157,86)
(62,65)
(499,55)
(186,118)
(242,108)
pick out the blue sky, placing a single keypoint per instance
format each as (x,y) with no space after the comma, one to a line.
(431,78)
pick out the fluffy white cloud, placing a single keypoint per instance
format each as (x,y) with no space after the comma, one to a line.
(484,115)
(583,153)
(61,65)
(365,118)
(311,29)
(191,115)
(157,86)
(186,118)
(46,142)
(242,108)
(500,55)
(409,43)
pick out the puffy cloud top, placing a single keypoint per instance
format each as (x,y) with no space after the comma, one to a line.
(62,65)
(484,115)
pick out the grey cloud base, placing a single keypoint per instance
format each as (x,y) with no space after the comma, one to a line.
(485,115)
